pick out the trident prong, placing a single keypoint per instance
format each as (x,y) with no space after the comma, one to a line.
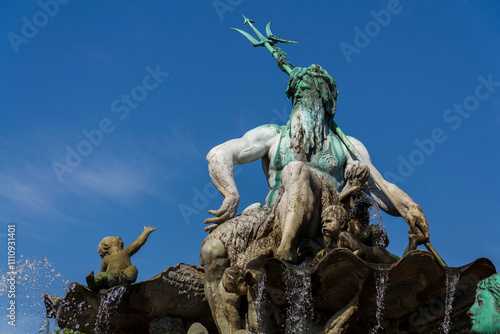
(255,43)
(268,29)
(269,43)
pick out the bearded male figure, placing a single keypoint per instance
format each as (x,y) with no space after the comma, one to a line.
(301,158)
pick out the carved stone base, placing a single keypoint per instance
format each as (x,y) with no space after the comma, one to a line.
(176,292)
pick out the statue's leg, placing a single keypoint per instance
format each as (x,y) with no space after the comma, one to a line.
(101,281)
(112,280)
(224,305)
(296,209)
(129,275)
(342,321)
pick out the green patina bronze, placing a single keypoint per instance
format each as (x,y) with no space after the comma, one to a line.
(485,312)
(269,43)
(307,87)
(301,88)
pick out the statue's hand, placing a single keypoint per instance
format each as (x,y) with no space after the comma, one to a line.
(350,191)
(419,228)
(226,211)
(149,229)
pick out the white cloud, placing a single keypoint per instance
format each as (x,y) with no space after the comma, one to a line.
(179,144)
(112,179)
(29,187)
(23,194)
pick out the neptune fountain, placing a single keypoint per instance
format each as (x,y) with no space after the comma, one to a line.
(310,260)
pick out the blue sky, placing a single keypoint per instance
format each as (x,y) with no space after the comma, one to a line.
(164,82)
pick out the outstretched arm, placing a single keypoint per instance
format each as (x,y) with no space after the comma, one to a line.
(140,241)
(254,145)
(400,204)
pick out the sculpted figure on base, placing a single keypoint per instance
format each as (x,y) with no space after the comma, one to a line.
(485,312)
(116,267)
(303,158)
(304,161)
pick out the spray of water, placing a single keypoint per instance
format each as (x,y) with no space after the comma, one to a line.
(34,278)
(382,278)
(451,285)
(375,213)
(299,295)
(376,219)
(45,328)
(112,298)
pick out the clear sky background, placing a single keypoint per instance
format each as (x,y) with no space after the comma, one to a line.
(65,74)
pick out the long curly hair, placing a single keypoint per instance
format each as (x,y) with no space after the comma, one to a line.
(315,82)
(492,284)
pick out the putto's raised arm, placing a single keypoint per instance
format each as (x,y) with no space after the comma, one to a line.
(140,241)
(254,145)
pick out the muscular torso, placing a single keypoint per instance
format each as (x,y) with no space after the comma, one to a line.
(329,162)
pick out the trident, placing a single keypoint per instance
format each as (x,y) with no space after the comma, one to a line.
(269,42)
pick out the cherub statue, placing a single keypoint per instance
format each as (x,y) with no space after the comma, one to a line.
(116,267)
(335,234)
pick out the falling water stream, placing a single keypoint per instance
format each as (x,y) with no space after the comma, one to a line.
(299,295)
(260,300)
(451,286)
(382,278)
(111,299)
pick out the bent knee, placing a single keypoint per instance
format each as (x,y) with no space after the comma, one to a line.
(294,171)
(131,271)
(211,250)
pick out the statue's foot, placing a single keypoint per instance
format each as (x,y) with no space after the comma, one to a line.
(90,281)
(286,255)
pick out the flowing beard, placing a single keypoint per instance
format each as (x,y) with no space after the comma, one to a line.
(308,130)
